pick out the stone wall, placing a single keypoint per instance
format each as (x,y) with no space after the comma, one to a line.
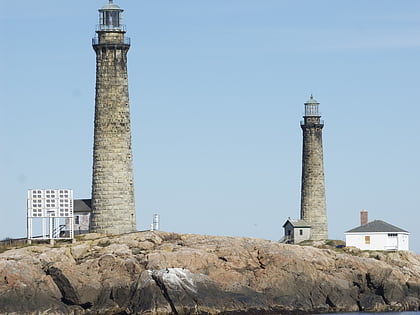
(113,209)
(313,203)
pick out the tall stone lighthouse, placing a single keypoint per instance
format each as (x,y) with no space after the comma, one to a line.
(113,209)
(313,205)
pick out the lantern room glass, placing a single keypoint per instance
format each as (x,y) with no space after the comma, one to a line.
(110,19)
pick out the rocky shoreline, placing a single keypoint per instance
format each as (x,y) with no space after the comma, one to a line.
(168,273)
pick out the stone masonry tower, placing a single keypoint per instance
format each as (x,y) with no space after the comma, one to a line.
(113,209)
(313,205)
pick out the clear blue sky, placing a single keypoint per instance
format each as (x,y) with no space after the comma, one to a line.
(216,92)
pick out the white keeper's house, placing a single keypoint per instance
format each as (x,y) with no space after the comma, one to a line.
(378,235)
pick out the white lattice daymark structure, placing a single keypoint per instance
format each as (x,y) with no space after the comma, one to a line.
(49,210)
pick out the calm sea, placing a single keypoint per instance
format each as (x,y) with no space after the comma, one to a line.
(390,313)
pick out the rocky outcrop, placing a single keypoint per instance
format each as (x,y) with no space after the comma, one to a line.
(167,273)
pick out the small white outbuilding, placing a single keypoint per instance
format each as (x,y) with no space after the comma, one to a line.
(378,235)
(296,231)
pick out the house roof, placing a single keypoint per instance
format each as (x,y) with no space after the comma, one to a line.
(376,226)
(82,205)
(297,223)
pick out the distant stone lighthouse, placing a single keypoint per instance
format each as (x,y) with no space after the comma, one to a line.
(313,205)
(113,209)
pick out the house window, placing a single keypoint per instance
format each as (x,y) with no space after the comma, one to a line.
(300,232)
(392,234)
(289,232)
(76,219)
(367,239)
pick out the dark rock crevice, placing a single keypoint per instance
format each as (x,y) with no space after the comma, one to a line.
(86,305)
(359,306)
(259,258)
(165,293)
(377,289)
(329,302)
(357,284)
(68,292)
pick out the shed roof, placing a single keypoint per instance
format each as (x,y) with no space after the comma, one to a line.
(297,223)
(376,226)
(82,205)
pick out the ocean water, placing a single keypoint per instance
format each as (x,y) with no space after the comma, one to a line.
(388,313)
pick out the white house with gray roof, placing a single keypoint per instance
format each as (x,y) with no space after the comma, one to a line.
(378,235)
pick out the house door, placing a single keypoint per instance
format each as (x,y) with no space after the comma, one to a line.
(392,242)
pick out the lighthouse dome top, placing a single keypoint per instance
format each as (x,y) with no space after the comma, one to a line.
(311,100)
(111,6)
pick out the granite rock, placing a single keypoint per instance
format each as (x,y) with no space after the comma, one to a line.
(168,273)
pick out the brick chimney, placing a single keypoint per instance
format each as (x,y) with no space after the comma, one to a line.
(363,217)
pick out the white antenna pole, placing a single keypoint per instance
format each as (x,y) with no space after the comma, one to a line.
(156,222)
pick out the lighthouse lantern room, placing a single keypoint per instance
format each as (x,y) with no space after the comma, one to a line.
(110,17)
